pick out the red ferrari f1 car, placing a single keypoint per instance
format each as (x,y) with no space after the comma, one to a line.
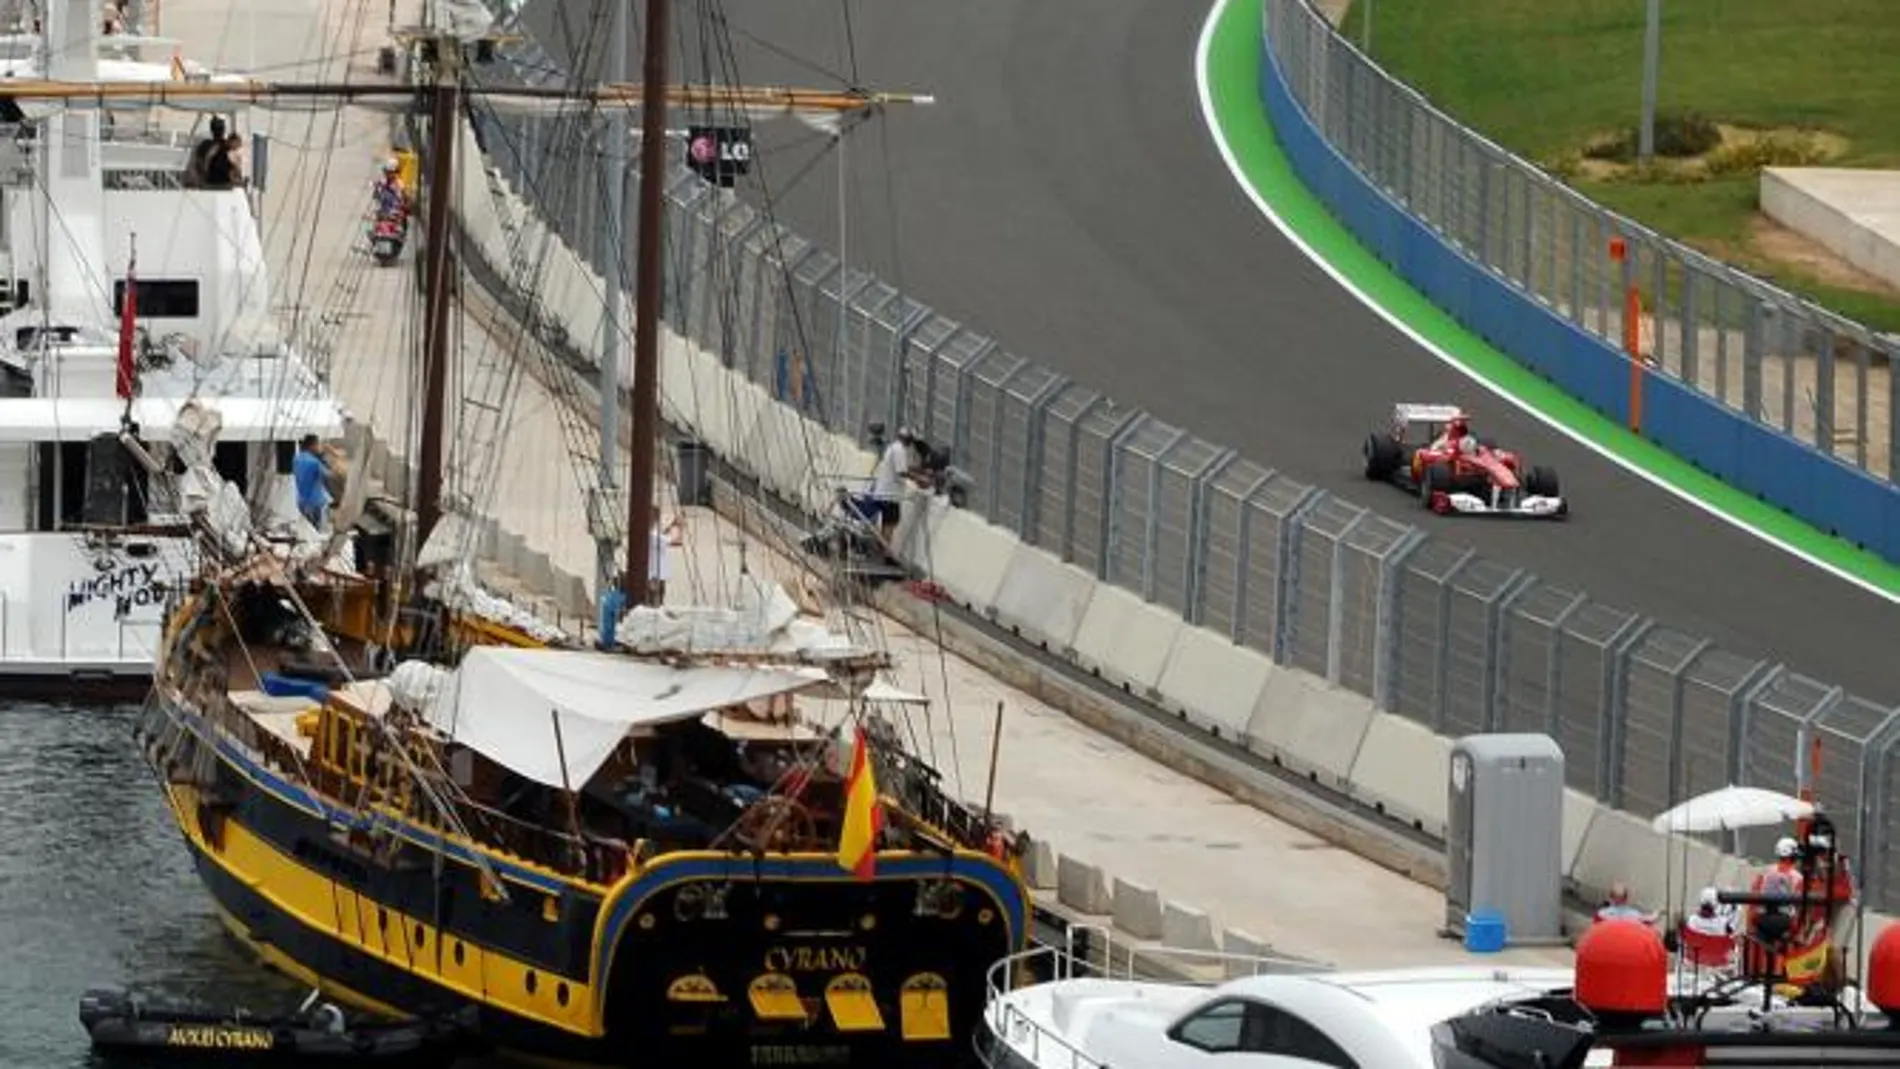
(1430,451)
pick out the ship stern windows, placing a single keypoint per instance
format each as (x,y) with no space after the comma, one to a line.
(798,967)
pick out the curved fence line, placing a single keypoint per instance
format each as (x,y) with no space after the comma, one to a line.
(1769,392)
(1418,626)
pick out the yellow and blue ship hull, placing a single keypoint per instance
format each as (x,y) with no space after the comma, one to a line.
(699,958)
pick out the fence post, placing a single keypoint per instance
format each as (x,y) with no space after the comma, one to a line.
(1615,703)
(1387,638)
(1632,327)
(1335,597)
(1441,666)
(1498,662)
(1243,554)
(1284,580)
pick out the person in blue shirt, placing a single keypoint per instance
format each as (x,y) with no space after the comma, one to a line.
(308,472)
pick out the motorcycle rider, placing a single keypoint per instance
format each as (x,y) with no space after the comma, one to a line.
(390,199)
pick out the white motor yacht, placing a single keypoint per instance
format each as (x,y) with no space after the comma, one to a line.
(1626,1002)
(93,201)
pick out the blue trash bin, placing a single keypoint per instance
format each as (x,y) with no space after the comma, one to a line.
(1485,932)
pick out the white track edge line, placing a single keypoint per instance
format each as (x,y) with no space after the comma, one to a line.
(1212,120)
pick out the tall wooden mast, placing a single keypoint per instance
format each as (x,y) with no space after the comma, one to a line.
(649,266)
(445,101)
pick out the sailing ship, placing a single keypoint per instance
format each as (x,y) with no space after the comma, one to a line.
(624,851)
(90,553)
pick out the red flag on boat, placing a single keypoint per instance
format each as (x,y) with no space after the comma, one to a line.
(128,318)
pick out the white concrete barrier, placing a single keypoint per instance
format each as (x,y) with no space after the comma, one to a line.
(1042,598)
(1039,866)
(1580,811)
(1851,211)
(1212,682)
(1310,724)
(1137,909)
(1124,639)
(968,556)
(1404,768)
(1621,848)
(1186,927)
(1082,887)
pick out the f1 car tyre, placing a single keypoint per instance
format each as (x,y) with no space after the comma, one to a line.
(1542,482)
(1437,478)
(1383,456)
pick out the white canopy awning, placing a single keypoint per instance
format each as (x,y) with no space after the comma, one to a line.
(503,704)
(245,419)
(1732,809)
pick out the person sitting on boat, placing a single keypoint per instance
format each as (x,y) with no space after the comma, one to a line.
(1618,907)
(1708,934)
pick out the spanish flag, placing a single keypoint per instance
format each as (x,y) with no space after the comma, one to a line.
(863,817)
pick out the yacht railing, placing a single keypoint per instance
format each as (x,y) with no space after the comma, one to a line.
(1091,951)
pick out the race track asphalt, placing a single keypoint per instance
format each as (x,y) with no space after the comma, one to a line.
(1065,197)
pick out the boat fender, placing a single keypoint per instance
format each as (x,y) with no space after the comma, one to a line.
(1622,970)
(1883,973)
(327,1018)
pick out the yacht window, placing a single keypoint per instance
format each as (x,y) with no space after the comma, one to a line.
(29,339)
(160,298)
(72,483)
(1240,1026)
(1215,1029)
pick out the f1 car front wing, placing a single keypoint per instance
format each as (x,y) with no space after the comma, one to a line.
(1527,506)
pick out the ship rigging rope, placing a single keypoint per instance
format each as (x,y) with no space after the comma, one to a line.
(727,310)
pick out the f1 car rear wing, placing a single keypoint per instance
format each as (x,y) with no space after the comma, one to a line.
(1423,413)
(1404,413)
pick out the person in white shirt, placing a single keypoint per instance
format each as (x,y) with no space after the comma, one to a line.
(887,482)
(659,568)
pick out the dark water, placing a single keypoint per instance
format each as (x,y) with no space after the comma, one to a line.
(96,889)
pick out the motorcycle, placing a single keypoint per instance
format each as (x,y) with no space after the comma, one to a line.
(386,237)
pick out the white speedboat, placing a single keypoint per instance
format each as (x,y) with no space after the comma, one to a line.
(1625,1003)
(93,203)
(1278,1009)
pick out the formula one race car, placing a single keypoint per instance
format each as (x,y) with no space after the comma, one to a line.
(1431,452)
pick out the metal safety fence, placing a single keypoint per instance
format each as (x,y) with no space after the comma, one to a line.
(1782,361)
(1646,714)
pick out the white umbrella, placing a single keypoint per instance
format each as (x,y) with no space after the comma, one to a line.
(1732,809)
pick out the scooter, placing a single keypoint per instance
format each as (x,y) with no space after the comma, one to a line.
(386,237)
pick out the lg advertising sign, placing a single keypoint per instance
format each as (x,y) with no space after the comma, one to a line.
(719,154)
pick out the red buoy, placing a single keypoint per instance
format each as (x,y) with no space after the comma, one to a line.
(1883,971)
(1622,968)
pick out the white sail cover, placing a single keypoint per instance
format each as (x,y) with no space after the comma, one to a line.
(503,704)
(764,619)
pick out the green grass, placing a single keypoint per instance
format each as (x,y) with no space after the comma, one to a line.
(1544,77)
